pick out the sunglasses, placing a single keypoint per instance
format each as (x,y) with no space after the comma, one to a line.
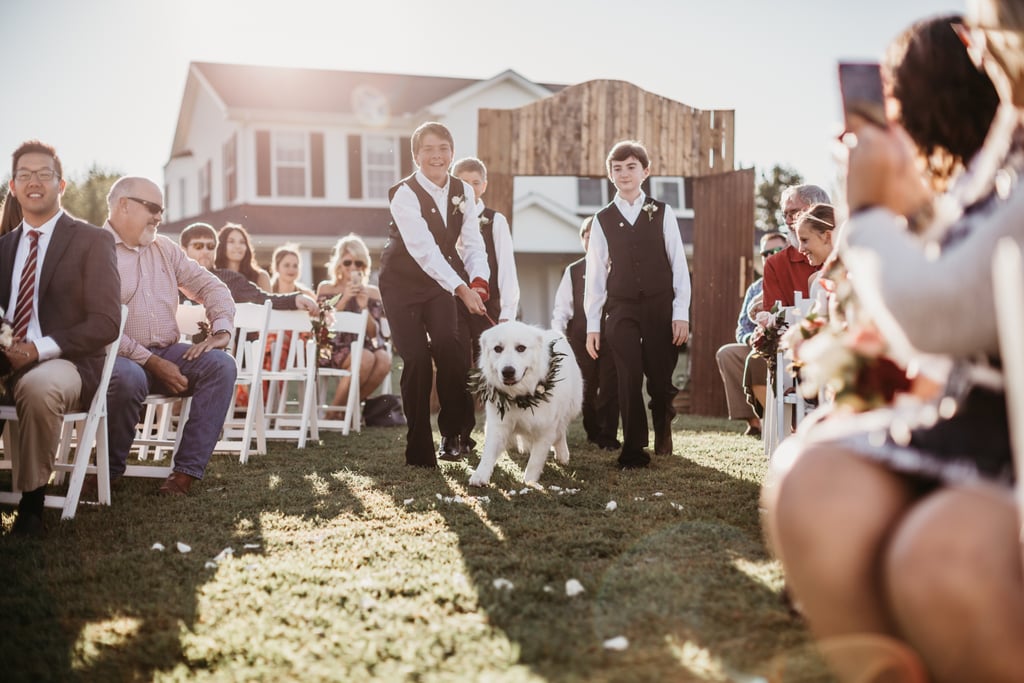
(349,262)
(198,244)
(152,207)
(771,252)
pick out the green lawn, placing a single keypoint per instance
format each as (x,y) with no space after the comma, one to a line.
(350,566)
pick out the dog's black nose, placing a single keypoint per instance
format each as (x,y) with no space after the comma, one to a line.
(508,372)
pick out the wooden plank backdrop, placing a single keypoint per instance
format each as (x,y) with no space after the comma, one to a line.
(570,133)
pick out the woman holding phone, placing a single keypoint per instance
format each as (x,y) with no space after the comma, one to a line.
(349,269)
(900,539)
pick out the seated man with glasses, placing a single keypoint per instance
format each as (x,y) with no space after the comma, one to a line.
(744,374)
(788,271)
(199,241)
(151,359)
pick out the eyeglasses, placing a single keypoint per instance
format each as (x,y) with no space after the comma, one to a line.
(152,207)
(44,174)
(348,263)
(197,244)
(771,252)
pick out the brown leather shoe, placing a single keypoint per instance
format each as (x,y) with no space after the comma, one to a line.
(663,433)
(176,484)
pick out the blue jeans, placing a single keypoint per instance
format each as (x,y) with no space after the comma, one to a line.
(211,383)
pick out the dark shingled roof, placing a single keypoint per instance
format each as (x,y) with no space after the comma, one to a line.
(264,220)
(321,90)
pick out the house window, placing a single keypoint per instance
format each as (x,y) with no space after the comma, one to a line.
(592,191)
(204,188)
(380,165)
(290,164)
(672,191)
(230,175)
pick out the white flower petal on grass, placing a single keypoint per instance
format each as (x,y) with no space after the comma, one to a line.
(513,492)
(676,506)
(439,496)
(618,643)
(549,589)
(554,488)
(640,498)
(503,585)
(183,548)
(611,506)
(483,499)
(157,546)
(523,492)
(224,554)
(210,564)
(573,588)
(251,546)
(407,501)
(658,494)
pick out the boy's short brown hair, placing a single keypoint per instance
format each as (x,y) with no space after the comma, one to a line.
(438,129)
(585,226)
(470,165)
(626,149)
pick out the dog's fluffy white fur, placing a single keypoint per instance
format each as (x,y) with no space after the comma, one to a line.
(514,359)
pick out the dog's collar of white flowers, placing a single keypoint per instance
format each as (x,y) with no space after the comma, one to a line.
(502,401)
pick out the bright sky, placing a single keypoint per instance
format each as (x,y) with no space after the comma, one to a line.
(102,80)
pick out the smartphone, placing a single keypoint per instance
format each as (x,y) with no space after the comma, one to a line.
(860,84)
(356,277)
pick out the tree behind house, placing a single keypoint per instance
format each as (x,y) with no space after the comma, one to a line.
(772,182)
(88,199)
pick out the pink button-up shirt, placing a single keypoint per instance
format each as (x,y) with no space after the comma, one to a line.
(150,279)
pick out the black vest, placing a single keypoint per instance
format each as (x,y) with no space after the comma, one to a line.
(639,264)
(398,268)
(576,328)
(493,304)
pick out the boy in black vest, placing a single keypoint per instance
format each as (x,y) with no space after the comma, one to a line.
(637,279)
(503,302)
(423,283)
(600,395)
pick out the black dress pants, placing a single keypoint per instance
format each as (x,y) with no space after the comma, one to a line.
(600,391)
(425,334)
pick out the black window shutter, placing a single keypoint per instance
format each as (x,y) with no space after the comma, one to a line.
(406,156)
(263,163)
(355,167)
(316,158)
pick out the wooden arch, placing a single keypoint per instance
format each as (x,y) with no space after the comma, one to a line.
(570,133)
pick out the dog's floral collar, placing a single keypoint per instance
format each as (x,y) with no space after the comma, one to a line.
(502,401)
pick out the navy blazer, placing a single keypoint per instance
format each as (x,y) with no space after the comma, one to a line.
(79,293)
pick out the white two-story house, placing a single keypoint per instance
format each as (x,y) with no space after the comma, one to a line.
(307,156)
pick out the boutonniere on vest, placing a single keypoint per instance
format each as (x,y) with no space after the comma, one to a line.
(484,220)
(460,204)
(650,208)
(502,401)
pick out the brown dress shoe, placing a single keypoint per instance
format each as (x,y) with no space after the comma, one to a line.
(176,484)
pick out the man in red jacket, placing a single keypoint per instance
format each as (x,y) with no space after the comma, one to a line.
(788,271)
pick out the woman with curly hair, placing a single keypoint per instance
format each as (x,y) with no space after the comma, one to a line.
(234,252)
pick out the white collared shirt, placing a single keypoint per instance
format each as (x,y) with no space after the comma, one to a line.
(598,262)
(45,346)
(562,311)
(405,209)
(508,279)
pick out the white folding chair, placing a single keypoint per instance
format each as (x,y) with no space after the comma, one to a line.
(249,355)
(786,405)
(291,394)
(160,429)
(90,429)
(1008,277)
(345,322)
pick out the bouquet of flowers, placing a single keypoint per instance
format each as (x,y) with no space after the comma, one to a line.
(6,341)
(322,328)
(771,325)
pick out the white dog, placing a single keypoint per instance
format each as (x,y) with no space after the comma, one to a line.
(532,387)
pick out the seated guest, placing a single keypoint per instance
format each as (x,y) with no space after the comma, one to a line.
(814,230)
(788,271)
(743,373)
(285,266)
(938,545)
(61,321)
(200,242)
(349,270)
(234,252)
(151,359)
(600,402)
